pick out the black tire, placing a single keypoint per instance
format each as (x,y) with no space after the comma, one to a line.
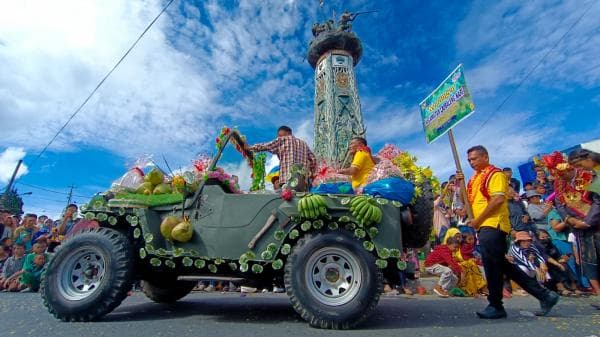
(167,292)
(304,294)
(58,291)
(417,234)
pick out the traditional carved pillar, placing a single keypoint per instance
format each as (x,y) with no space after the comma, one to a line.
(338,116)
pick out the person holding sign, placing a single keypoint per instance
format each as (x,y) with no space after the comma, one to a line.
(487,193)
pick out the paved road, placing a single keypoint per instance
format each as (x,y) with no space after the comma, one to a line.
(224,315)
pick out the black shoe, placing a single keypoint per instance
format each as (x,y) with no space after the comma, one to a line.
(596,306)
(491,312)
(547,303)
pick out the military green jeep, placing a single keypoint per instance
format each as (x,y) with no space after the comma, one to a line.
(331,258)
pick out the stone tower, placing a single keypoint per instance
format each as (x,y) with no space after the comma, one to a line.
(333,53)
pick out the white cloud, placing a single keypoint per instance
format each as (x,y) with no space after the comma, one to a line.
(192,69)
(8,162)
(514,35)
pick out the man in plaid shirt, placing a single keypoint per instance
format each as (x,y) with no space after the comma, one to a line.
(290,151)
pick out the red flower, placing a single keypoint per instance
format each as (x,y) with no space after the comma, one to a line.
(286,195)
(218,140)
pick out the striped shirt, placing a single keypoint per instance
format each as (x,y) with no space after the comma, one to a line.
(290,150)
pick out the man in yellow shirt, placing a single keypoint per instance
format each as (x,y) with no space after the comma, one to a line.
(362,162)
(487,193)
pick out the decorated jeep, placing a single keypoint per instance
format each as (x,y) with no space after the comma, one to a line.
(330,251)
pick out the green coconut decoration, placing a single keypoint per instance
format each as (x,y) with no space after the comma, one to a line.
(102,217)
(294,234)
(373,231)
(277,264)
(187,262)
(148,237)
(243,267)
(345,218)
(155,262)
(233,266)
(395,253)
(382,264)
(383,253)
(368,245)
(89,216)
(199,263)
(137,233)
(266,255)
(306,225)
(257,269)
(279,235)
(142,253)
(286,249)
(212,268)
(112,220)
(401,265)
(333,225)
(272,247)
(318,224)
(170,264)
(360,233)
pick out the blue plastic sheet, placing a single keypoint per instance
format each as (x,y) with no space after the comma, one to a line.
(392,188)
(333,188)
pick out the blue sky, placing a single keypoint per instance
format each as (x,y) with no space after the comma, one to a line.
(205,64)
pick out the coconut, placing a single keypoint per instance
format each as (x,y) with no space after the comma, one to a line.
(145,188)
(167,225)
(155,176)
(162,189)
(183,231)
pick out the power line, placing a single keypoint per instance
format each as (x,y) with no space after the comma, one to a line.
(52,191)
(531,71)
(99,84)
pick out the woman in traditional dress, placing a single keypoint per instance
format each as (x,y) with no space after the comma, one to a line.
(589,161)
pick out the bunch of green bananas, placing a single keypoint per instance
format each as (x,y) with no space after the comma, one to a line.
(312,206)
(365,210)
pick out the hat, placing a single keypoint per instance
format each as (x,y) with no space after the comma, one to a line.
(522,236)
(531,194)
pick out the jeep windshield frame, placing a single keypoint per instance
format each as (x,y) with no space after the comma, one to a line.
(213,163)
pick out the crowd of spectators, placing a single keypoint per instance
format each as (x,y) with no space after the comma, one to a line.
(27,243)
(554,235)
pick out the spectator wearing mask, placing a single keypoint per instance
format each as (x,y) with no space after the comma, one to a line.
(560,276)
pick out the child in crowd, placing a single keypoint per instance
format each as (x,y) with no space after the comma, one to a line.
(441,263)
(471,282)
(4,255)
(527,257)
(7,243)
(32,272)
(8,280)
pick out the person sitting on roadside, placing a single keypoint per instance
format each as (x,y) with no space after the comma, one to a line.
(441,263)
(560,276)
(27,226)
(362,163)
(8,280)
(524,254)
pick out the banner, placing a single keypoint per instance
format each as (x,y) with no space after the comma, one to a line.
(446,106)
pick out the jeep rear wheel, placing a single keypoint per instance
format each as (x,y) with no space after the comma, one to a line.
(332,281)
(89,276)
(162,292)
(416,234)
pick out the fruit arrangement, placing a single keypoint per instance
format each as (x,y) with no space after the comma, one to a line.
(366,210)
(312,206)
(174,228)
(154,183)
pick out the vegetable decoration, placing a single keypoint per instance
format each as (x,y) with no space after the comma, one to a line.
(258,172)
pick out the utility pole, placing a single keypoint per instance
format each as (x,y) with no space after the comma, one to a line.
(14,175)
(70,196)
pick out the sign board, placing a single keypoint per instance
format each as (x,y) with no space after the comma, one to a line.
(446,106)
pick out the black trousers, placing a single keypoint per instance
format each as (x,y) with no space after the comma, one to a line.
(493,254)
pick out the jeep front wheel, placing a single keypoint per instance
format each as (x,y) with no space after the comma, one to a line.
(332,281)
(89,275)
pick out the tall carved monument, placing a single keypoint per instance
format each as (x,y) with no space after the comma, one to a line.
(333,53)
